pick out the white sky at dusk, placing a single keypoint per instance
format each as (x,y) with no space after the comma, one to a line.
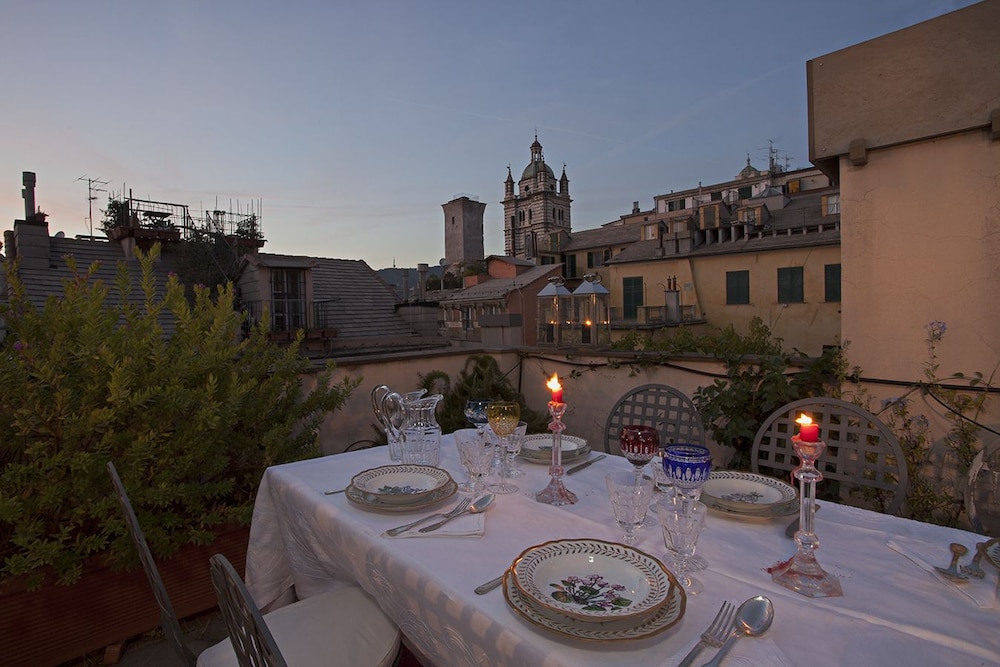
(354,121)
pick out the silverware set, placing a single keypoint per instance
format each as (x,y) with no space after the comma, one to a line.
(455,511)
(751,619)
(955,572)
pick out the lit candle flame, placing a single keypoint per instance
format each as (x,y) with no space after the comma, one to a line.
(553,383)
(804,420)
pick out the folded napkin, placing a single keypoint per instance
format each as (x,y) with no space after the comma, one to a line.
(747,652)
(982,591)
(464,525)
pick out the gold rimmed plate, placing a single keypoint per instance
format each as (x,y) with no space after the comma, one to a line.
(746,491)
(537,448)
(592,580)
(367,501)
(642,627)
(401,484)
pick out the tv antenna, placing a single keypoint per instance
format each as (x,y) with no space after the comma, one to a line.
(91,189)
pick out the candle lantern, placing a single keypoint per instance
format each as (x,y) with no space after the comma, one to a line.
(591,303)
(554,305)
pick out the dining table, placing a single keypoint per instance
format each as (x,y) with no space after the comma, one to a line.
(894,609)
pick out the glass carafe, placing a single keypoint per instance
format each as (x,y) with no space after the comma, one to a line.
(420,434)
(388,408)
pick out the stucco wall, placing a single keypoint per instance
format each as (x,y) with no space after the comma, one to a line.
(920,241)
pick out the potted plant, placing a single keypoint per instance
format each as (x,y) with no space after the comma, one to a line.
(190,411)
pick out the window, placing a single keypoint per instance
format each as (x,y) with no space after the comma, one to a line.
(468,317)
(737,288)
(831,205)
(571,266)
(547,259)
(597,258)
(288,299)
(831,282)
(649,232)
(746,192)
(790,285)
(631,297)
(716,196)
(678,205)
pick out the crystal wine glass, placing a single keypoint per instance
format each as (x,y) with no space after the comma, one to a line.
(476,454)
(689,467)
(639,444)
(681,522)
(475,412)
(503,418)
(630,497)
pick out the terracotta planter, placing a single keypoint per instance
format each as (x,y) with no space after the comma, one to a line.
(56,623)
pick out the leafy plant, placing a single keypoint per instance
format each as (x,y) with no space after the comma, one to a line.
(190,412)
(481,378)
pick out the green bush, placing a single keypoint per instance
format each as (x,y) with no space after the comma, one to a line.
(189,410)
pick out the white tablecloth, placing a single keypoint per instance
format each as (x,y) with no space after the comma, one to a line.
(892,611)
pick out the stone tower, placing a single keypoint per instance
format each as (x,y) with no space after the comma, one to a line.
(538,211)
(463,231)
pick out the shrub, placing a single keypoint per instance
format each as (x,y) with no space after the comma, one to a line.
(189,410)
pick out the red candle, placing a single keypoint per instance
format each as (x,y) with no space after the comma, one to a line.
(556,388)
(808,432)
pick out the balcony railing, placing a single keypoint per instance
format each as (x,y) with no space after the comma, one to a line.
(650,316)
(292,314)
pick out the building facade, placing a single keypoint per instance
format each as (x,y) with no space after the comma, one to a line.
(463,231)
(537,214)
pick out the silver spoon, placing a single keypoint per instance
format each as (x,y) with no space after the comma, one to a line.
(476,507)
(752,618)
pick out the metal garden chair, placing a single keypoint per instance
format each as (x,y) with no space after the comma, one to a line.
(168,619)
(861,453)
(665,408)
(342,628)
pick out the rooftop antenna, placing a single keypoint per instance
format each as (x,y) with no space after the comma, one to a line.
(91,182)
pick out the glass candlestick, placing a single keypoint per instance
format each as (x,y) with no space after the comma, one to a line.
(556,493)
(802,573)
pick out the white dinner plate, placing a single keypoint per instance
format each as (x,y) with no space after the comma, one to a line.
(761,514)
(592,580)
(746,491)
(607,631)
(537,448)
(370,502)
(401,484)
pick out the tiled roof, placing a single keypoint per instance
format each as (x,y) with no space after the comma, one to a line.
(499,288)
(603,237)
(39,284)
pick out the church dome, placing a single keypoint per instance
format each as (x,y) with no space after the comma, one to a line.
(532,170)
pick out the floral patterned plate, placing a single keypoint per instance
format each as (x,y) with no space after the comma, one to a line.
(401,484)
(371,502)
(537,448)
(654,623)
(592,580)
(746,491)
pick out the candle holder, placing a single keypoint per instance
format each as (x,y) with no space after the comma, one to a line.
(802,573)
(556,493)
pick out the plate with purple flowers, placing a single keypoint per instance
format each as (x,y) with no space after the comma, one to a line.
(592,580)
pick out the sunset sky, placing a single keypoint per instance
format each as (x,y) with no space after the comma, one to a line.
(352,122)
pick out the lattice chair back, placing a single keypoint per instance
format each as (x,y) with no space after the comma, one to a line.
(252,640)
(665,408)
(168,619)
(861,451)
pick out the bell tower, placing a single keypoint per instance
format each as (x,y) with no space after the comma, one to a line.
(537,214)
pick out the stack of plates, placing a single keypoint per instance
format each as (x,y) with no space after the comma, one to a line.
(400,488)
(538,448)
(749,495)
(593,590)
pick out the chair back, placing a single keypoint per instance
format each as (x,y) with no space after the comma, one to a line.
(861,451)
(252,640)
(668,410)
(168,619)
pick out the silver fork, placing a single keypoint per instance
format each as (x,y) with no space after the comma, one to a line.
(716,633)
(458,509)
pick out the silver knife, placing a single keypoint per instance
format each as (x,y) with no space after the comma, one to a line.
(578,468)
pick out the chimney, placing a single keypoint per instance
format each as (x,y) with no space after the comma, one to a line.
(31,235)
(635,207)
(421,281)
(28,179)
